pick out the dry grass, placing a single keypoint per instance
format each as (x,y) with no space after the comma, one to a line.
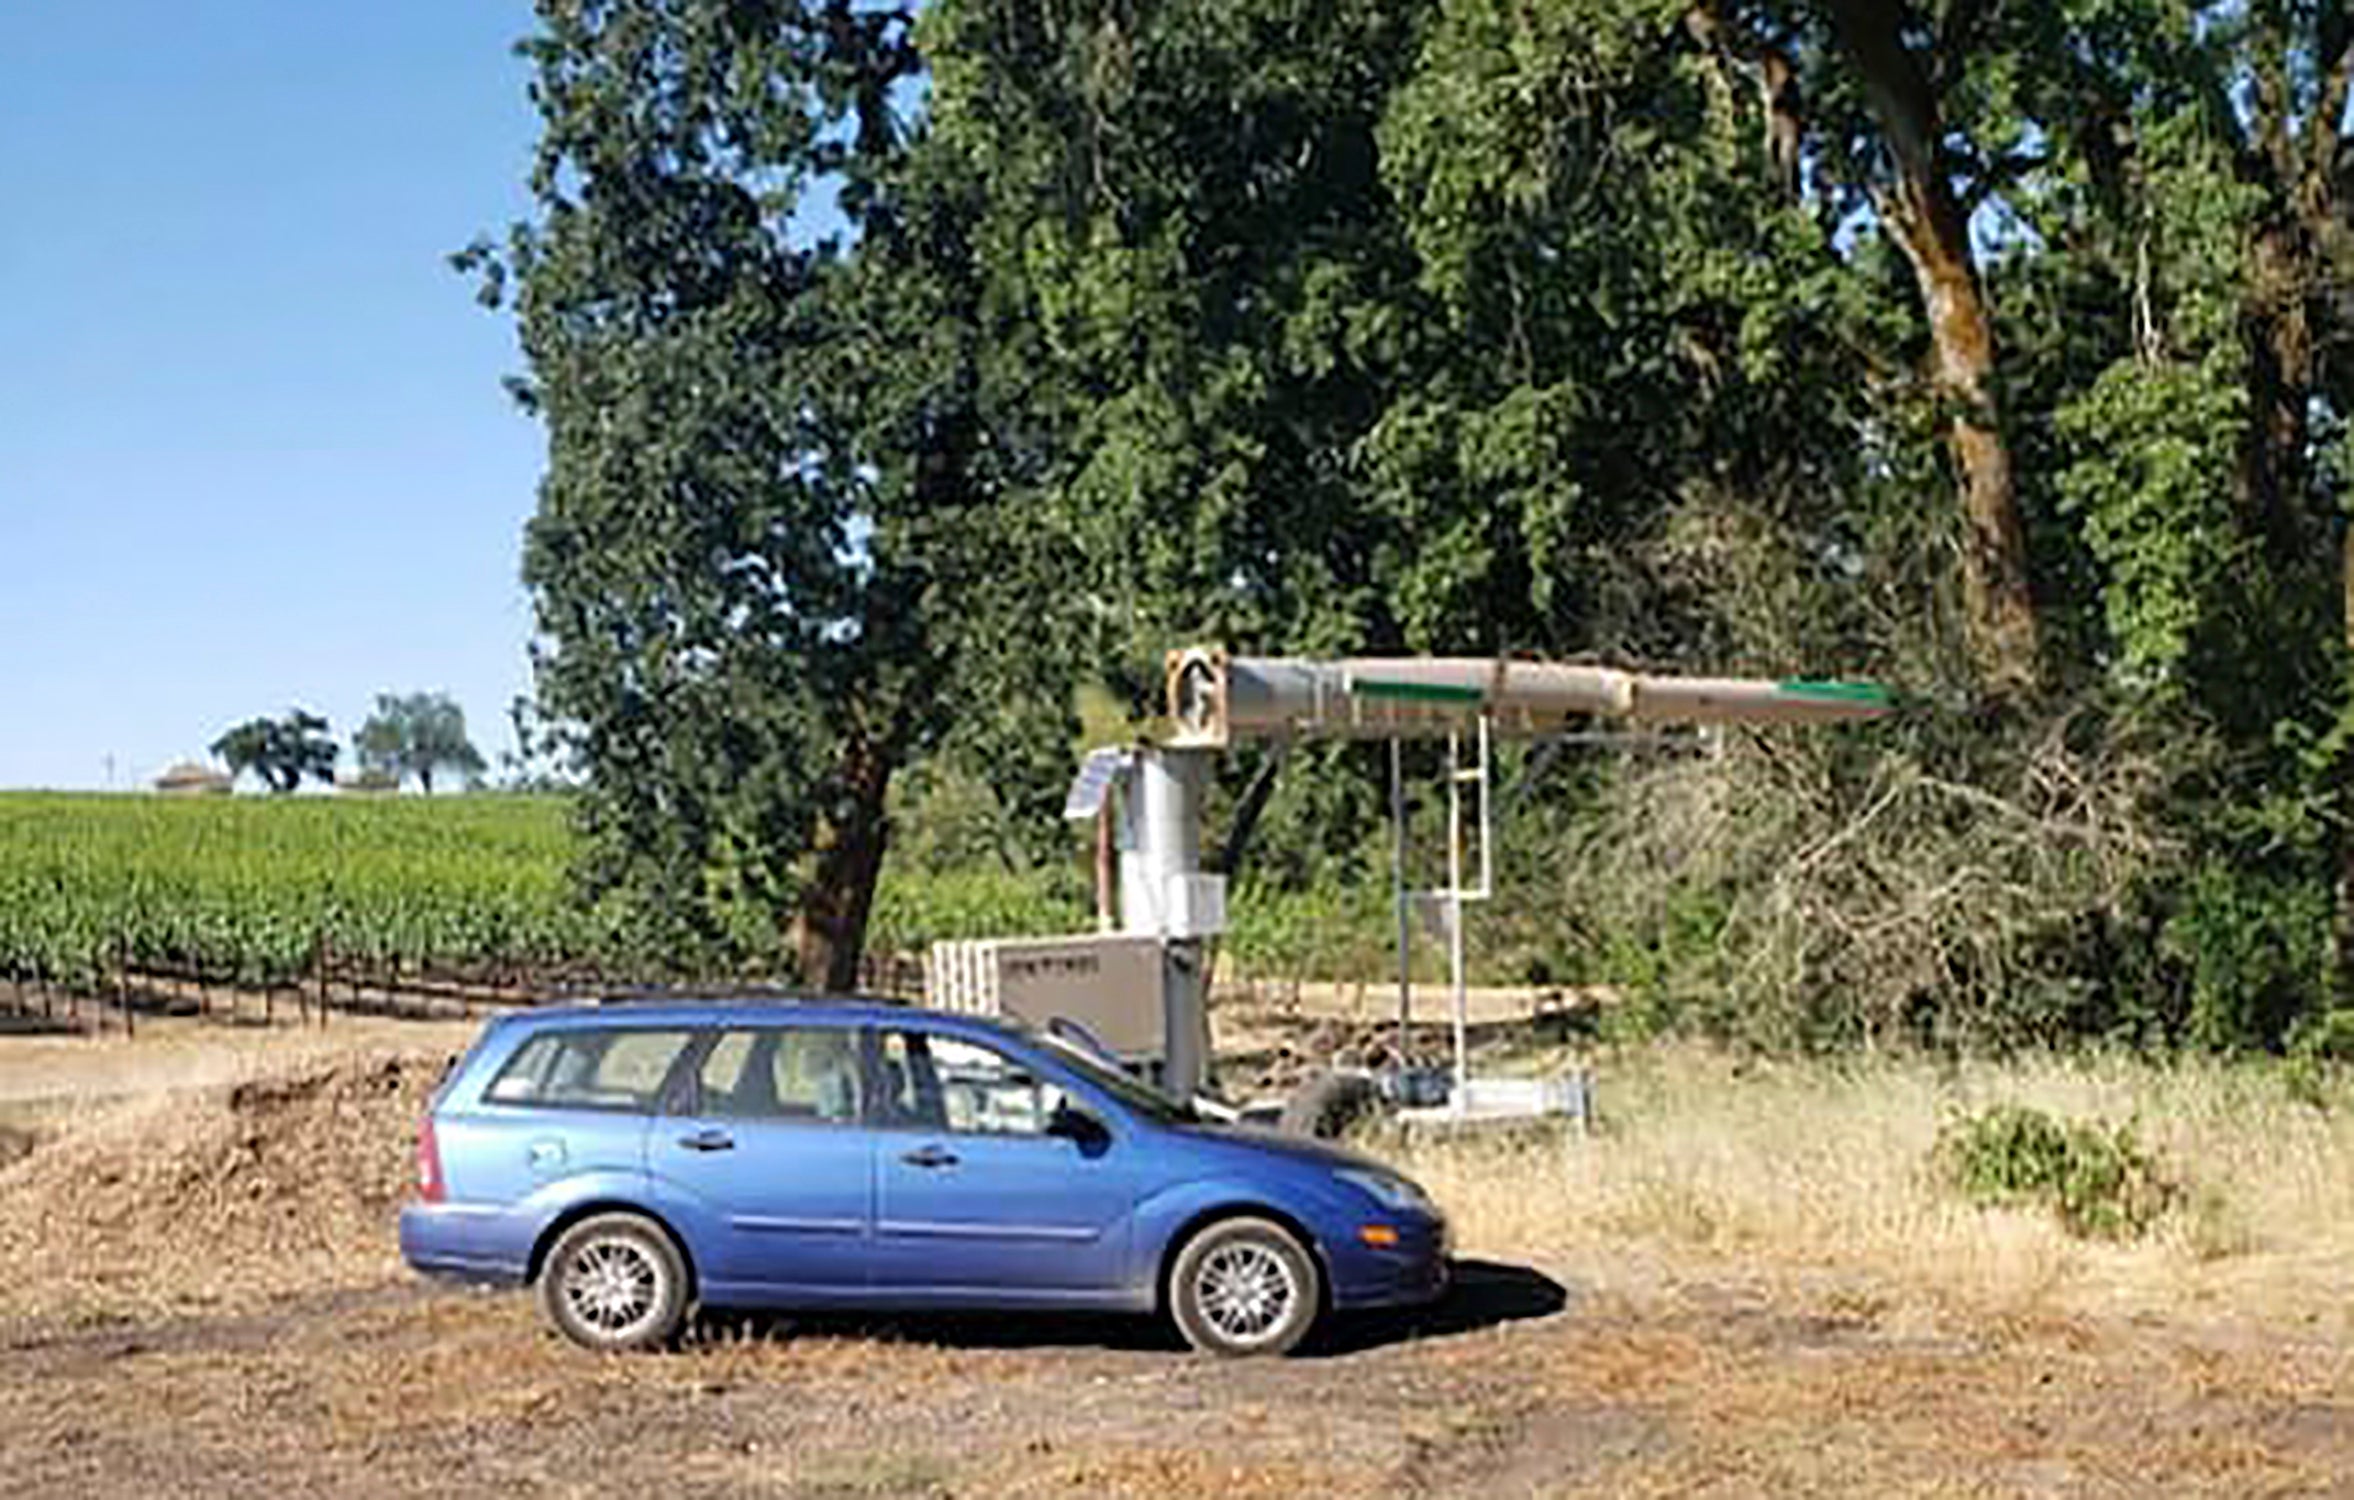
(217,1198)
(1784,1169)
(1768,1297)
(62,1076)
(1811,1174)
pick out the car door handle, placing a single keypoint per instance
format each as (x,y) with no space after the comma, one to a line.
(930,1156)
(708,1140)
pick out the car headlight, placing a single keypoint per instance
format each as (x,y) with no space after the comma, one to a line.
(1389,1189)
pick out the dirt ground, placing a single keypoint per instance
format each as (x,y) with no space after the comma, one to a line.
(1539,1376)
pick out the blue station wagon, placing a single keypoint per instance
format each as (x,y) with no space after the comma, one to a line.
(632,1161)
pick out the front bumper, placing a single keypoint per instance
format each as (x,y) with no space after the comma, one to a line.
(1414,1271)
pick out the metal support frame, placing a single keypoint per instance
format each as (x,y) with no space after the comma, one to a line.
(1402,897)
(1457,894)
(1150,797)
(1470,816)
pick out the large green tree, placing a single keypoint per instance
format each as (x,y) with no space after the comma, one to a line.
(417,734)
(765,545)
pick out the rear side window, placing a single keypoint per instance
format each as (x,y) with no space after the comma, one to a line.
(782,1073)
(615,1068)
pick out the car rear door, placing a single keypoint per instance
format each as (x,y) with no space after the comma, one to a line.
(975,1201)
(765,1142)
(566,1113)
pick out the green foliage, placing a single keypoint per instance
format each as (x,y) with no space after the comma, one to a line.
(1332,930)
(284,752)
(2315,1071)
(416,735)
(2153,438)
(2252,945)
(1464,326)
(2096,1179)
(914,908)
(2327,1037)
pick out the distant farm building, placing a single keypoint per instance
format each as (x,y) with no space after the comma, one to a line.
(189,779)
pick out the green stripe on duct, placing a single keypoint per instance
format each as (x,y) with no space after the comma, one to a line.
(1414,692)
(1870,694)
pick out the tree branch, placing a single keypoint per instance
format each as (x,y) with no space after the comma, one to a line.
(2336,54)
(2271,73)
(2216,107)
(1729,42)
(1903,94)
(1955,38)
(2001,173)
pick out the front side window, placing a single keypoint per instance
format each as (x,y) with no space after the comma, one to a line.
(781,1073)
(945,1083)
(589,1068)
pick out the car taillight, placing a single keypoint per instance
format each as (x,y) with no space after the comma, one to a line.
(430,1188)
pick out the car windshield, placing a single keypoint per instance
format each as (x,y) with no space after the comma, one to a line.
(1130,1090)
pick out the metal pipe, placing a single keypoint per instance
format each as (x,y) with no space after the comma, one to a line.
(1161,807)
(1107,917)
(1214,698)
(1487,819)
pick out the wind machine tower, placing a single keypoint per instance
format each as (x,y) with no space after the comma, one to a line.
(1140,988)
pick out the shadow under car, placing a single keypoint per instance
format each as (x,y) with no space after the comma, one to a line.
(1480,1294)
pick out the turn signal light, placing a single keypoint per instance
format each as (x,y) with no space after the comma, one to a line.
(1379,1236)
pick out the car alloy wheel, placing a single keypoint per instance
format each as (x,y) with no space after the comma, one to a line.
(613,1285)
(1246,1290)
(1242,1287)
(614,1282)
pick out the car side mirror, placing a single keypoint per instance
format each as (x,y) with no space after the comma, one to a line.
(1079,1127)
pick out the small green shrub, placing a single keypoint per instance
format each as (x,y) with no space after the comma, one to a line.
(2096,1179)
(2315,1070)
(2326,1037)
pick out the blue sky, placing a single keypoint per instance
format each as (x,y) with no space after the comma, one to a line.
(253,449)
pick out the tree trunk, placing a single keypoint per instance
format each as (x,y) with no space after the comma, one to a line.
(830,927)
(2274,500)
(2280,384)
(1930,224)
(1775,78)
(1995,588)
(2342,926)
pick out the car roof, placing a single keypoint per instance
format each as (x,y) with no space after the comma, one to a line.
(704,1010)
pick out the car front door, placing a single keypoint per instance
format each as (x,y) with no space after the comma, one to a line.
(767,1141)
(976,1198)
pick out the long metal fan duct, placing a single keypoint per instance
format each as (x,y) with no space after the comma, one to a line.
(1215,699)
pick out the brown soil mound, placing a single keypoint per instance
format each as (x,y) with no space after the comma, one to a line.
(220,1198)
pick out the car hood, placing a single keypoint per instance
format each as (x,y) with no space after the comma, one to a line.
(1307,1150)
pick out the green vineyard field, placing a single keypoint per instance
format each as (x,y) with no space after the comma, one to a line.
(250,888)
(256,891)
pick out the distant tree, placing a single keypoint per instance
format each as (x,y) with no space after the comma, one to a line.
(417,734)
(281,751)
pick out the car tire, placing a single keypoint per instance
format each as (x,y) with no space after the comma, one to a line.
(1328,1104)
(614,1282)
(1244,1287)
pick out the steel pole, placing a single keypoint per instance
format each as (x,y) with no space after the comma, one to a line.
(1455,914)
(1400,898)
